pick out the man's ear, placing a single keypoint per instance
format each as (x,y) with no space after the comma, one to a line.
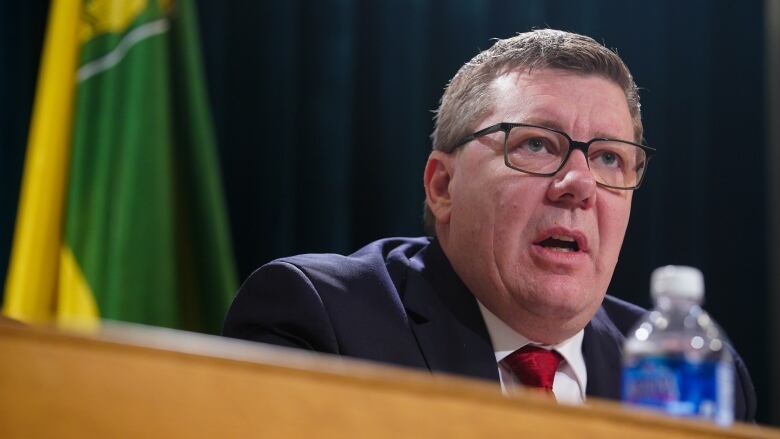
(437,177)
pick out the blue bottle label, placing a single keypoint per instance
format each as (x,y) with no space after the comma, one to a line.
(679,387)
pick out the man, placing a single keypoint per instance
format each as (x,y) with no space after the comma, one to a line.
(527,227)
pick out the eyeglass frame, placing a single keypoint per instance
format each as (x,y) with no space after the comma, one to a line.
(573,145)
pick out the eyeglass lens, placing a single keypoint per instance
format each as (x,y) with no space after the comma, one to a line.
(541,151)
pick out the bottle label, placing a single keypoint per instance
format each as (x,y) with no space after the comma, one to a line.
(703,389)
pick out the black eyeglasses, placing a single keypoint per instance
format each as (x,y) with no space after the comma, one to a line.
(537,150)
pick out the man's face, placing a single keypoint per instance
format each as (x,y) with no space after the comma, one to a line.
(498,224)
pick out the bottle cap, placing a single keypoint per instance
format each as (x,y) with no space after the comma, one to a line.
(677,281)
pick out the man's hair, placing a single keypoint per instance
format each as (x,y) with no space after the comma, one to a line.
(468,97)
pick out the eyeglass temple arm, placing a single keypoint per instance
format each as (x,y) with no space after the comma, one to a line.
(483,132)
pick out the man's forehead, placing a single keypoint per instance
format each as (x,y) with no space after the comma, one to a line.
(549,97)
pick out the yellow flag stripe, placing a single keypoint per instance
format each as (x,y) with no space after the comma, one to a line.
(76,307)
(30,289)
(109,16)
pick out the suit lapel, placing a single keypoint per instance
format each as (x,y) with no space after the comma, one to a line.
(602,350)
(445,318)
(452,337)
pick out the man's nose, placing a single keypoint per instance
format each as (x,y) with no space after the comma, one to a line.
(574,185)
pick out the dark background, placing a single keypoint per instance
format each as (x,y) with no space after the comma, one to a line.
(323,109)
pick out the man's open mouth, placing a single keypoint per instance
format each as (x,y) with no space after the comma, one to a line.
(560,243)
(563,242)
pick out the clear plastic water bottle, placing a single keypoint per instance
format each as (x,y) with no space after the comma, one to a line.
(675,359)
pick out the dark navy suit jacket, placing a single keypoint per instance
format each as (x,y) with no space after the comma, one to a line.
(399,301)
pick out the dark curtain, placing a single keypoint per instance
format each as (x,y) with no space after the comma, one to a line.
(323,111)
(22,27)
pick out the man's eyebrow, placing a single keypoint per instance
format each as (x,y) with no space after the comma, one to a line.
(544,122)
(551,123)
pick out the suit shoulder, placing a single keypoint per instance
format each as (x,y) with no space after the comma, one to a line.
(342,304)
(368,262)
(622,314)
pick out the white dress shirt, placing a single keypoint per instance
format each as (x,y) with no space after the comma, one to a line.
(571,378)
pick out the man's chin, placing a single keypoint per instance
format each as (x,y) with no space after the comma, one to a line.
(557,310)
(562,301)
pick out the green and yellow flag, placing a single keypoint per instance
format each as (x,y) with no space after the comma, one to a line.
(121,214)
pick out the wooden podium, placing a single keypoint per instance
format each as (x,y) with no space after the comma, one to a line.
(131,381)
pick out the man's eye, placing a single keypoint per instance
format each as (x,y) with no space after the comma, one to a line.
(537,144)
(607,158)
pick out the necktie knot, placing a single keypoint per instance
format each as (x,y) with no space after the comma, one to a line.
(534,366)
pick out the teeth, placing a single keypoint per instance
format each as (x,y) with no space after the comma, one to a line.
(562,238)
(561,249)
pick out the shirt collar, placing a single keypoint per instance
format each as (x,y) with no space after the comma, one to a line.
(506,340)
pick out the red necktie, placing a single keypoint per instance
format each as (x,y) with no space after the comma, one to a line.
(534,366)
